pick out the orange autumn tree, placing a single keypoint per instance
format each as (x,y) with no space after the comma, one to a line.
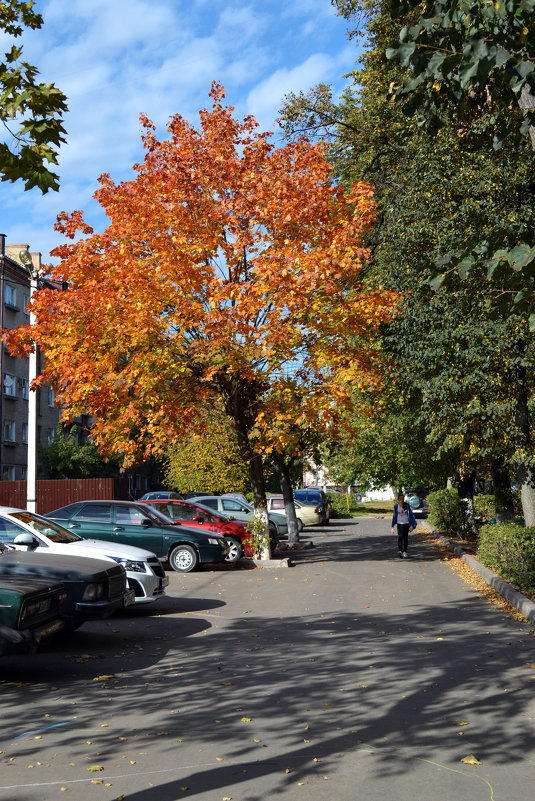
(227,265)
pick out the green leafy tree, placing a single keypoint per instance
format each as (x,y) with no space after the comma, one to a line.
(210,461)
(31,112)
(462,346)
(470,61)
(67,458)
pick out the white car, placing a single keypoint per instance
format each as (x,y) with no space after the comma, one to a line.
(27,531)
(306,515)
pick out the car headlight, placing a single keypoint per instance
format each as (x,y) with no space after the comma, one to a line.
(129,564)
(213,541)
(94,592)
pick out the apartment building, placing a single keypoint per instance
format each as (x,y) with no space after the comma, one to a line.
(14,296)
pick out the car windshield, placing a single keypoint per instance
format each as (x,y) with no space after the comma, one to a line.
(53,531)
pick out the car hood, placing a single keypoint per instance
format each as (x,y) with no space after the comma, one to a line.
(98,549)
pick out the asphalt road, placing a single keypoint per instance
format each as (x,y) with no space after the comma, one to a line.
(352,675)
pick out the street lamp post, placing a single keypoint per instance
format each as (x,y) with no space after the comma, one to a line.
(31,472)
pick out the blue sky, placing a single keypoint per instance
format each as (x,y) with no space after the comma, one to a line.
(117,58)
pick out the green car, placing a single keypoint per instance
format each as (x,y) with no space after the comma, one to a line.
(30,610)
(141,525)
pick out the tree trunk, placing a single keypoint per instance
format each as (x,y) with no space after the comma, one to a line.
(283,472)
(502,491)
(465,485)
(234,404)
(524,472)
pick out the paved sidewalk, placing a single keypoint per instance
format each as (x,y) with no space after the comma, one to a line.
(352,676)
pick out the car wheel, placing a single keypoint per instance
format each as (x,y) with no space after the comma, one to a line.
(235,549)
(183,558)
(300,525)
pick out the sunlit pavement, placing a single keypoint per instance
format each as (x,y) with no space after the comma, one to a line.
(352,675)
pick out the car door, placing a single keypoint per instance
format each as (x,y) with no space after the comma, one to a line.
(133,526)
(93,521)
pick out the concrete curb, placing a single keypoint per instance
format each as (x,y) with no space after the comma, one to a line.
(524,604)
(266,562)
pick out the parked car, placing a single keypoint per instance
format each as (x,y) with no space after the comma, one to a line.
(310,496)
(95,588)
(141,525)
(238,510)
(194,515)
(416,498)
(160,495)
(306,515)
(30,611)
(27,531)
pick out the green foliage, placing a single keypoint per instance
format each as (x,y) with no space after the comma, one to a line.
(446,512)
(474,61)
(484,507)
(259,537)
(31,112)
(65,458)
(209,461)
(509,549)
(343,506)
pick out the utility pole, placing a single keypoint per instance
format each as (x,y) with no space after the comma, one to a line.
(31,473)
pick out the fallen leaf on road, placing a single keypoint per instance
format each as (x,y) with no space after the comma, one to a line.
(104,677)
(462,723)
(471,760)
(246,720)
(95,768)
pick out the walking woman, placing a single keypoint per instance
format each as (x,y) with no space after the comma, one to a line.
(405,521)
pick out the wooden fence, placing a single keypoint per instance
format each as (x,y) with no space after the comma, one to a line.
(53,494)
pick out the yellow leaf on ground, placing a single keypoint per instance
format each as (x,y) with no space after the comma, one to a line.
(104,677)
(471,760)
(95,768)
(462,723)
(246,720)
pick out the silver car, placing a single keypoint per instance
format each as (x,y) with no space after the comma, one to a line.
(236,509)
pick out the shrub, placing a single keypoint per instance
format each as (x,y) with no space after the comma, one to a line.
(484,507)
(446,512)
(339,504)
(509,549)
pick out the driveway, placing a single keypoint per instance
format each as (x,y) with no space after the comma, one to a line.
(353,675)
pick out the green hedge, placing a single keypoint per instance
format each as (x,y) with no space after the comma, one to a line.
(339,506)
(484,507)
(445,511)
(509,549)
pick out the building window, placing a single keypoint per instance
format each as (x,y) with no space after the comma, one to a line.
(10,385)
(24,473)
(24,388)
(51,397)
(25,301)
(9,431)
(10,296)
(51,435)
(8,473)
(25,433)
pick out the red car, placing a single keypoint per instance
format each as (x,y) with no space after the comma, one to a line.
(198,516)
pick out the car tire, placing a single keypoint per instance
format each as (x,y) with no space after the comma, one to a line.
(235,550)
(300,525)
(183,558)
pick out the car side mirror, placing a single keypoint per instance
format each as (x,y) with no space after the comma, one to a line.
(146,523)
(25,539)
(199,519)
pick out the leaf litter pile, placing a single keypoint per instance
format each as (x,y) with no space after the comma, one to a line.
(469,576)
